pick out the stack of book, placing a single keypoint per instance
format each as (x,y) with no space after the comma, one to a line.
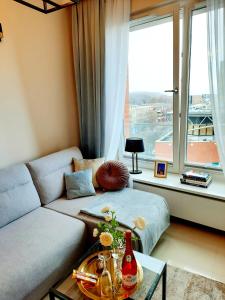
(196,178)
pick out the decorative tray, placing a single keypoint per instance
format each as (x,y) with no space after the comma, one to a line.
(89,265)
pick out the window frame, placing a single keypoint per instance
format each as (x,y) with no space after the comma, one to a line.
(180,99)
(157,14)
(185,82)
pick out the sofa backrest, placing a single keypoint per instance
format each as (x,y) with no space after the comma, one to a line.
(48,173)
(18,195)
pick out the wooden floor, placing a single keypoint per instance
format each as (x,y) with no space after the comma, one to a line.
(194,249)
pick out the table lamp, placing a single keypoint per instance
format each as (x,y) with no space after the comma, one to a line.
(134,145)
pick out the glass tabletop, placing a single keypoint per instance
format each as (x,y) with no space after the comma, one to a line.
(153,269)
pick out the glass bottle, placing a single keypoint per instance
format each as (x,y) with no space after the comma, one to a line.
(129,265)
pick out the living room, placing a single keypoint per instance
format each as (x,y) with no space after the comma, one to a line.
(74,87)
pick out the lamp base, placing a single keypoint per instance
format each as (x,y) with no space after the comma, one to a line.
(135,172)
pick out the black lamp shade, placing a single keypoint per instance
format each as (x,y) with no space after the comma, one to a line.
(134,145)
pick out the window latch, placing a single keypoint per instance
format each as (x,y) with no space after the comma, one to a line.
(176,90)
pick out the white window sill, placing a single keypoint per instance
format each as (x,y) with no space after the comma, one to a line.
(216,189)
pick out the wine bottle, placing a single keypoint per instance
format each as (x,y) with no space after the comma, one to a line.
(129,265)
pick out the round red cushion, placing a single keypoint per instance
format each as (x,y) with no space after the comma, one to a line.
(112,175)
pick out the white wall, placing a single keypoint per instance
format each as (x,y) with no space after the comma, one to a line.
(198,209)
(38,112)
(137,5)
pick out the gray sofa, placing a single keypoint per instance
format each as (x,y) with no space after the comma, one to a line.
(41,235)
(37,245)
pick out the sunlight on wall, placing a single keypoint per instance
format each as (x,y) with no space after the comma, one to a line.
(38,113)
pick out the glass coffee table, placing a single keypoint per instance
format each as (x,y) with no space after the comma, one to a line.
(153,271)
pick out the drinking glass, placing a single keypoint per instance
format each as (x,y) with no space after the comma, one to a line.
(105,280)
(117,262)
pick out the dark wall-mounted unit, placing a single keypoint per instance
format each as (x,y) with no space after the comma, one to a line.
(47,6)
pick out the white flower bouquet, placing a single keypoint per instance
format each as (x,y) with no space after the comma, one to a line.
(108,232)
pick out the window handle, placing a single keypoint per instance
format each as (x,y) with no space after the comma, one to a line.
(176,90)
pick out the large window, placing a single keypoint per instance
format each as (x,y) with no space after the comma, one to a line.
(153,113)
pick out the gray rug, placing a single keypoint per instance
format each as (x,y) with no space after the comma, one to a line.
(183,285)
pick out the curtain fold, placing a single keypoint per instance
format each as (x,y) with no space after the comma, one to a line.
(100,47)
(117,14)
(216,62)
(88,32)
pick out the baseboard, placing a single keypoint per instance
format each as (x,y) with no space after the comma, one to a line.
(177,220)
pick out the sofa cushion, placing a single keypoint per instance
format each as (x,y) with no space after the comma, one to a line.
(113,175)
(48,173)
(79,184)
(37,250)
(94,164)
(18,195)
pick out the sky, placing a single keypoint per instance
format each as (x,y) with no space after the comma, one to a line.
(151,58)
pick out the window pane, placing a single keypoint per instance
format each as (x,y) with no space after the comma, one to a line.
(149,110)
(201,145)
